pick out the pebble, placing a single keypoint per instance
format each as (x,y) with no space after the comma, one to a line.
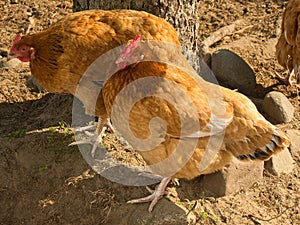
(280,163)
(278,107)
(232,70)
(12,63)
(295,143)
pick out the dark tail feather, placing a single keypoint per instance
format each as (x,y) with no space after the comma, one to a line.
(279,142)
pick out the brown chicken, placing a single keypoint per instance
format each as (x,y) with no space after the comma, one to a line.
(201,125)
(182,125)
(60,55)
(288,45)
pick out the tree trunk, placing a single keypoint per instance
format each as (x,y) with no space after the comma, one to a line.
(182,14)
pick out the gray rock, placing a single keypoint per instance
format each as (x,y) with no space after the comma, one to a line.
(295,143)
(1,64)
(232,178)
(231,70)
(12,63)
(278,107)
(280,163)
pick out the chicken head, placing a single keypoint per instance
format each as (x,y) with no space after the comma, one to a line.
(23,52)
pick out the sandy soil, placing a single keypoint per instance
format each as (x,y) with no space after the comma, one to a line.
(43,181)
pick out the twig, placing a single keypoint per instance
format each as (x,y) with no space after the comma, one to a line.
(220,33)
(217,36)
(243,29)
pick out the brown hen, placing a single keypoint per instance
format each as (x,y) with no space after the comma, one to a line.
(201,125)
(288,45)
(60,55)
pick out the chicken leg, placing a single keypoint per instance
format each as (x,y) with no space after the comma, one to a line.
(155,194)
(289,79)
(296,81)
(96,138)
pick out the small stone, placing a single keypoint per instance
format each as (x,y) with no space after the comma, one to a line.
(1,64)
(280,163)
(233,177)
(12,63)
(278,107)
(295,142)
(233,71)
(3,52)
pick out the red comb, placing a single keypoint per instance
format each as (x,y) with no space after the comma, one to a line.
(122,60)
(17,38)
(131,46)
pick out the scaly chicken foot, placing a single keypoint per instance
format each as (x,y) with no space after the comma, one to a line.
(155,196)
(289,79)
(104,125)
(96,138)
(86,128)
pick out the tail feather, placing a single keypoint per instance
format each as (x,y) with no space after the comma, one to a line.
(278,142)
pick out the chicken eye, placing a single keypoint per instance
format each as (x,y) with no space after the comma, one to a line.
(23,49)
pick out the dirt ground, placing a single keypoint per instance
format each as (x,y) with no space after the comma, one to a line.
(43,181)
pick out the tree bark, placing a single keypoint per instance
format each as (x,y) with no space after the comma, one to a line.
(182,14)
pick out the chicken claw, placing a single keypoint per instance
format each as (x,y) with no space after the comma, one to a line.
(289,79)
(294,82)
(96,138)
(155,194)
(104,125)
